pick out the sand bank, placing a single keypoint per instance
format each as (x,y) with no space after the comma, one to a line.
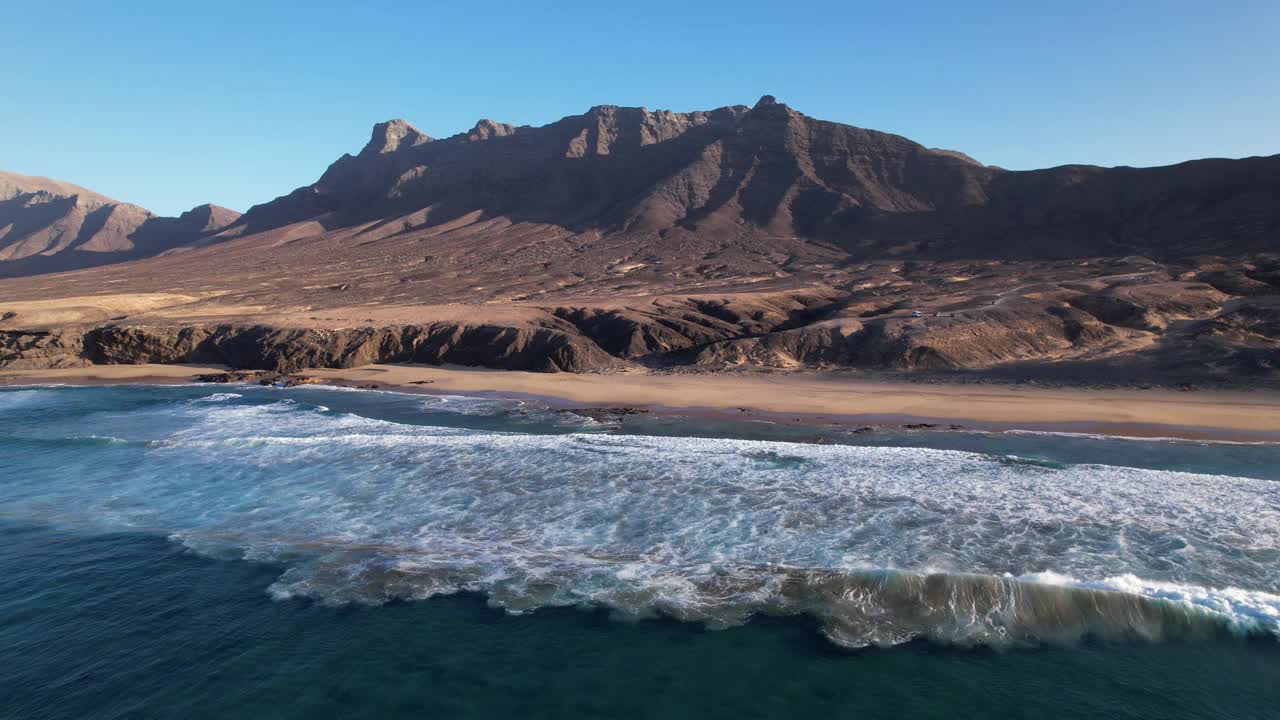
(803,397)
(110,375)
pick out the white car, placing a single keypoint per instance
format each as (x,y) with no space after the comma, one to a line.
(916,313)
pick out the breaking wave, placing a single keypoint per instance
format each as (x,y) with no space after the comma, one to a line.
(880,544)
(1136,438)
(855,608)
(218,397)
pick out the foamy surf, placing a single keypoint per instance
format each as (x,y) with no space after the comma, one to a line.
(855,608)
(1136,438)
(880,544)
(218,397)
(1243,610)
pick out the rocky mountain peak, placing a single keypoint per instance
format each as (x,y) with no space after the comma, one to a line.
(485,129)
(48,225)
(769,107)
(38,190)
(209,217)
(393,135)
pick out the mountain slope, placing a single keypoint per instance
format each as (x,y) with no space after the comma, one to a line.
(742,236)
(772,171)
(48,225)
(629,169)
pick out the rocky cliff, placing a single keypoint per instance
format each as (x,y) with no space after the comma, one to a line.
(1151,327)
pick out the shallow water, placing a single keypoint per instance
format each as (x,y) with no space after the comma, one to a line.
(165,544)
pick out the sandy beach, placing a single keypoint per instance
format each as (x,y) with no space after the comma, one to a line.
(146,374)
(795,397)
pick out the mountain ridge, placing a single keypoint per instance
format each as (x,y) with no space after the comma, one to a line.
(739,237)
(50,225)
(772,168)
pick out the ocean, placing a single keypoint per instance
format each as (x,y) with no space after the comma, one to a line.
(228,551)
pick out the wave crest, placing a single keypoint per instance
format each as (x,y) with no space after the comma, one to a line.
(855,609)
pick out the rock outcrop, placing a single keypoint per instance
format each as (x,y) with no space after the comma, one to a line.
(1151,329)
(42,349)
(289,350)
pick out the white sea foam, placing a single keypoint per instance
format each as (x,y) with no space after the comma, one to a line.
(1135,438)
(467,405)
(104,439)
(882,544)
(219,397)
(1243,609)
(12,399)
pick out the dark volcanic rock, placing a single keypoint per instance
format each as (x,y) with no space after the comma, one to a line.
(41,349)
(290,350)
(605,414)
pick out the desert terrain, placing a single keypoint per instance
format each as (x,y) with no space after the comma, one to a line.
(742,238)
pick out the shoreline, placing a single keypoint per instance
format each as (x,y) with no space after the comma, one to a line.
(803,398)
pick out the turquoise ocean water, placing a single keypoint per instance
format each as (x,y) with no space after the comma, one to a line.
(196,551)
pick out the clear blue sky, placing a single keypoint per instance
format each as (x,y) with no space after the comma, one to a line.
(171,104)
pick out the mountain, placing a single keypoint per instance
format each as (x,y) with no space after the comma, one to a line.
(737,237)
(771,170)
(48,226)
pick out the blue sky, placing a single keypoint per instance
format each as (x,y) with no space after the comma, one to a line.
(173,104)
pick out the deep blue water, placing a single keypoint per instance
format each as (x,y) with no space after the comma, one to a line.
(252,552)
